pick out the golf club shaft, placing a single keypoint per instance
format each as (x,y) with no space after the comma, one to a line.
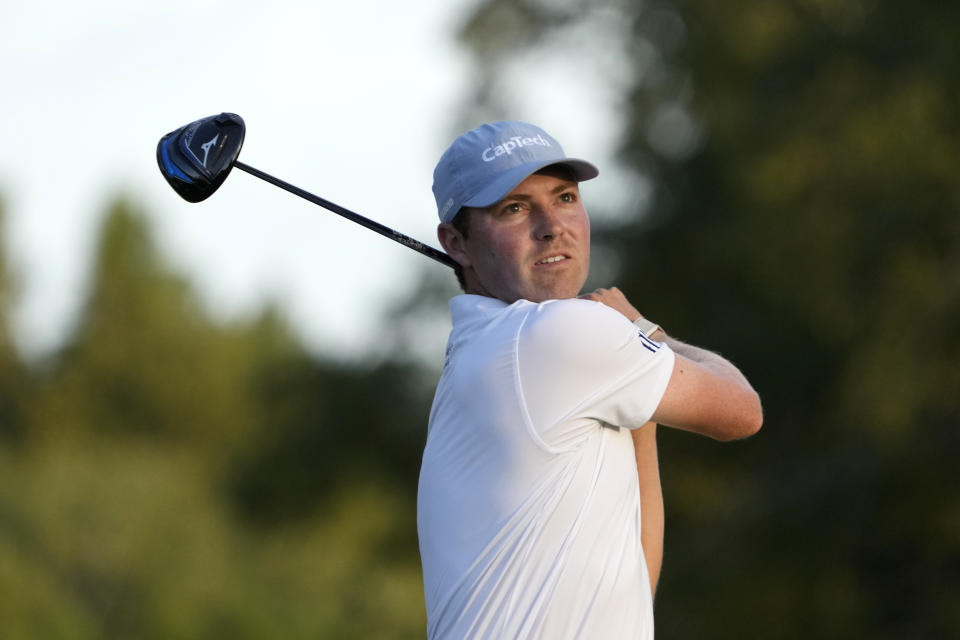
(396,236)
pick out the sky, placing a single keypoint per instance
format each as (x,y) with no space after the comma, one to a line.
(353,101)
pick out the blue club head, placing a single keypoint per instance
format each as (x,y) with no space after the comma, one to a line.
(196,158)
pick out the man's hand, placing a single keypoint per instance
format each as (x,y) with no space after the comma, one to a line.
(614,299)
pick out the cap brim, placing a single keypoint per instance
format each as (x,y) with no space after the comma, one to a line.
(505,183)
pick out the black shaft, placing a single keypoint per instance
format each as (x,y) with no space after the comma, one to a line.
(396,236)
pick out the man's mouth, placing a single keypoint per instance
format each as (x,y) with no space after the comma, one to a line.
(551,260)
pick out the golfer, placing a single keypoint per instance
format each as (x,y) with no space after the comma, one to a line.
(539,487)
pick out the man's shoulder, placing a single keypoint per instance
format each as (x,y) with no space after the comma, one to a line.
(551,322)
(575,324)
(573,313)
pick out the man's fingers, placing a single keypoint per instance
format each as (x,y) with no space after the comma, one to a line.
(600,294)
(614,299)
(611,296)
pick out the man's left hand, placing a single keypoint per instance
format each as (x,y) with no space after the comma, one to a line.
(614,299)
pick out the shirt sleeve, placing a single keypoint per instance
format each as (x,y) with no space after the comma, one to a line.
(580,362)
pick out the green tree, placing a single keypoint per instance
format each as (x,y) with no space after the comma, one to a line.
(143,358)
(804,223)
(156,439)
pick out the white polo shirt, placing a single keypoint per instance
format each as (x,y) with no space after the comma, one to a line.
(528,510)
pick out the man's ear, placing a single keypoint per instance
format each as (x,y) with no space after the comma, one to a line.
(453,243)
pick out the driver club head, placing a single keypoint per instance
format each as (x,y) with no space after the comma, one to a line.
(196,158)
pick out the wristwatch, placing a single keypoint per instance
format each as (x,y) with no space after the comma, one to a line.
(646,327)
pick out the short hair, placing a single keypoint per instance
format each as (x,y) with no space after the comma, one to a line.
(461,222)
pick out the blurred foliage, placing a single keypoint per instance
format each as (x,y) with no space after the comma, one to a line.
(805,222)
(163,476)
(13,382)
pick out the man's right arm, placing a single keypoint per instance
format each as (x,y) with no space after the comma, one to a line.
(707,395)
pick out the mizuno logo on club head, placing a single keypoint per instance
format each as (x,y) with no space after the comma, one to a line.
(206,148)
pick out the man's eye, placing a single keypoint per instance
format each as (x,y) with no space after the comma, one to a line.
(512,208)
(567,197)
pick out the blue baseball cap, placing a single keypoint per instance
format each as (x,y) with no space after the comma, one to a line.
(483,165)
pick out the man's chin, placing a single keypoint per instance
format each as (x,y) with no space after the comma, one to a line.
(554,293)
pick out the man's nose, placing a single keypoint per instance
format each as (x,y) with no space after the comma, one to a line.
(548,223)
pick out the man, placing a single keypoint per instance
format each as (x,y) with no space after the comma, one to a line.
(539,485)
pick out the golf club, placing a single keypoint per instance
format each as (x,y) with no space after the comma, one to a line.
(196,158)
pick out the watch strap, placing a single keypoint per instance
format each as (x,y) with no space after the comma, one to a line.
(646,327)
